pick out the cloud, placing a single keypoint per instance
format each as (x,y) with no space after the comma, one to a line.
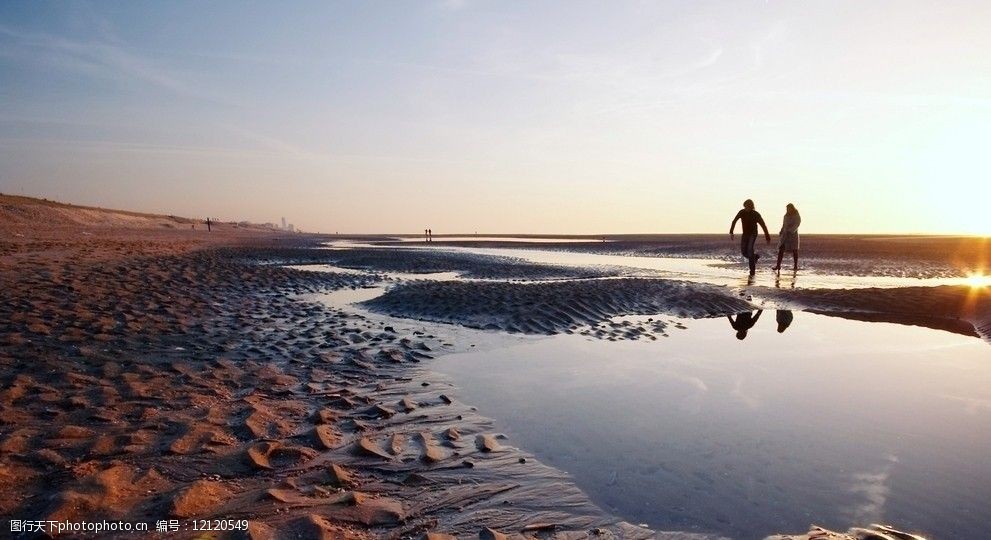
(972,405)
(105,59)
(873,488)
(751,402)
(277,145)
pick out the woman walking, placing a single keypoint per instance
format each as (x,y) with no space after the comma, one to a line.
(788,238)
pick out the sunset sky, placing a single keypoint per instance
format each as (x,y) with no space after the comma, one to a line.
(498,116)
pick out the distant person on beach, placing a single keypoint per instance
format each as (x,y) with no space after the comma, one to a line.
(426,235)
(744,321)
(788,238)
(783,317)
(208,225)
(430,235)
(750,219)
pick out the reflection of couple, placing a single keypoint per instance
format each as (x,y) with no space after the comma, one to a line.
(746,320)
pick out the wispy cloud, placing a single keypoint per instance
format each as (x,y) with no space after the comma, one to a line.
(750,401)
(105,58)
(275,149)
(971,405)
(274,144)
(873,488)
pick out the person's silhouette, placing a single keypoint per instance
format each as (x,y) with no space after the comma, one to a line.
(745,320)
(784,318)
(750,218)
(789,240)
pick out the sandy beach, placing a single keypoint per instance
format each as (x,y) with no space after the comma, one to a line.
(463,269)
(151,371)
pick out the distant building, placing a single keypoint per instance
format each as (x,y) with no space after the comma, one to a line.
(283,223)
(290,228)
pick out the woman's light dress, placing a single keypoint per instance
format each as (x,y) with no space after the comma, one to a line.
(789,232)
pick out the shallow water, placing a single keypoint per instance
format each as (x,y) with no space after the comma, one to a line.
(528,240)
(713,271)
(832,422)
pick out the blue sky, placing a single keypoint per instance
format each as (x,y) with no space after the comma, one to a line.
(566,117)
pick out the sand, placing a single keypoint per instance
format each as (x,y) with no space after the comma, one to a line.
(959,309)
(152,371)
(554,307)
(152,374)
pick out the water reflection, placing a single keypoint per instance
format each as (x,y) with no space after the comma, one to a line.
(789,282)
(784,318)
(834,422)
(745,320)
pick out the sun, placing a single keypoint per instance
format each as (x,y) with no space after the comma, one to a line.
(977,281)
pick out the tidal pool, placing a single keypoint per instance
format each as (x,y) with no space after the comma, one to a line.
(833,422)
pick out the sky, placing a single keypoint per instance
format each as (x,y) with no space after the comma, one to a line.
(566,116)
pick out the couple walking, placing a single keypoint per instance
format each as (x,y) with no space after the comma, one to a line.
(787,241)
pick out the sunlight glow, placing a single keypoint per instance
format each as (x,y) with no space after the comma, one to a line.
(978,280)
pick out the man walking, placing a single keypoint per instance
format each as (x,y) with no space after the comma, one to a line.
(750,219)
